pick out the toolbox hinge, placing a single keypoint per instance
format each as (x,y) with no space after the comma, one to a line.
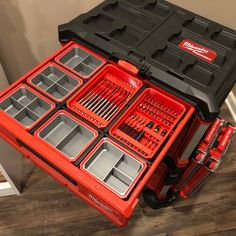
(132,62)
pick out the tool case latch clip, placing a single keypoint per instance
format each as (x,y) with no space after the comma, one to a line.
(128,67)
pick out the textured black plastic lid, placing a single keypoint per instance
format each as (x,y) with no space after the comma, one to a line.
(187,54)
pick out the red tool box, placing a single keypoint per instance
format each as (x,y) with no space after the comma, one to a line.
(121,107)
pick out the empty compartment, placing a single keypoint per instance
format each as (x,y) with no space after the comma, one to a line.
(68,83)
(200,73)
(137,2)
(100,22)
(196,25)
(57,91)
(26,117)
(103,160)
(168,57)
(126,35)
(129,166)
(42,82)
(74,57)
(24,96)
(158,9)
(83,70)
(76,141)
(225,38)
(11,106)
(58,129)
(92,62)
(39,107)
(130,15)
(113,167)
(53,73)
(118,181)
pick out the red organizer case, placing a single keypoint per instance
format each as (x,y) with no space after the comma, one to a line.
(151,106)
(53,147)
(102,98)
(211,164)
(16,87)
(80,81)
(86,50)
(100,197)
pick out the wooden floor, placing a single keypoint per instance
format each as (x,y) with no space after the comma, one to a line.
(47,208)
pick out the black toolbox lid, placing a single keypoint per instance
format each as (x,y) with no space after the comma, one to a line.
(189,55)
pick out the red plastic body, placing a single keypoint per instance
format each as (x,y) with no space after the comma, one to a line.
(187,142)
(212,163)
(85,186)
(103,88)
(201,154)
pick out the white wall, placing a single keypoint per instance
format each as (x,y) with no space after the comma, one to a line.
(29,27)
(29,30)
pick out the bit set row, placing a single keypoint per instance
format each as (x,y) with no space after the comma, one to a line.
(158,111)
(134,127)
(105,99)
(162,107)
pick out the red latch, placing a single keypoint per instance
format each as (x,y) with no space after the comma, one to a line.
(128,67)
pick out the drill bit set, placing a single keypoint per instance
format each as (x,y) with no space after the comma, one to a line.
(104,96)
(148,123)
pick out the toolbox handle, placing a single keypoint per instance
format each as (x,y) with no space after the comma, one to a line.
(128,67)
(39,156)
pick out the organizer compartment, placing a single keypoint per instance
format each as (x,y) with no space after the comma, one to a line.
(130,15)
(100,22)
(113,167)
(148,123)
(80,61)
(197,26)
(25,106)
(200,73)
(126,35)
(168,57)
(67,135)
(105,95)
(225,38)
(55,82)
(158,9)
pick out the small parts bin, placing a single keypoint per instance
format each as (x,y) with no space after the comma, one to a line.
(55,82)
(66,134)
(129,104)
(80,60)
(114,167)
(26,106)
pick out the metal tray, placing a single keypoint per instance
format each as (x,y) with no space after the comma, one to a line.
(25,106)
(66,135)
(113,167)
(80,61)
(55,82)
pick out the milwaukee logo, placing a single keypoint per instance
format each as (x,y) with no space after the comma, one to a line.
(195,49)
(198,50)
